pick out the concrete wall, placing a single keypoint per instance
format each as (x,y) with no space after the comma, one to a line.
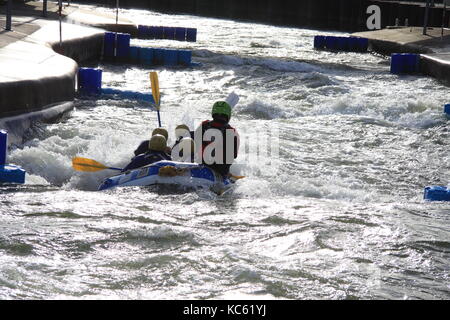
(344,15)
(88,48)
(25,96)
(32,95)
(435,67)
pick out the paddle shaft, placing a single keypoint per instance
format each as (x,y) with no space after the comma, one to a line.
(159,117)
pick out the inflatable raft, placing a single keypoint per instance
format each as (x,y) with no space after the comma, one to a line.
(170,173)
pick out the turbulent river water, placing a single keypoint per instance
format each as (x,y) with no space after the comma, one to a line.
(334,211)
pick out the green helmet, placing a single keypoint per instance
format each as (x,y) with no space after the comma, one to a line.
(221,107)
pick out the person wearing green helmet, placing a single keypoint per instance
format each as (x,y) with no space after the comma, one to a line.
(220,154)
(156,147)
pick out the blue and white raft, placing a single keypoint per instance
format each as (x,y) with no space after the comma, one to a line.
(185,174)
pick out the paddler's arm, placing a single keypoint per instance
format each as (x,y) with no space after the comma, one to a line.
(143,148)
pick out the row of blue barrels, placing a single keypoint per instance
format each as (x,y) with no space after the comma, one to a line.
(8,173)
(157,56)
(168,33)
(403,63)
(90,83)
(116,46)
(128,94)
(349,44)
(436,193)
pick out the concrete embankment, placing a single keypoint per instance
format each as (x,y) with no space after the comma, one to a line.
(343,15)
(436,65)
(38,72)
(37,69)
(34,77)
(434,47)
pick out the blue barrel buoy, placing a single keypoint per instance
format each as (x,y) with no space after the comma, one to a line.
(89,81)
(146,56)
(169,33)
(331,43)
(123,46)
(412,62)
(353,45)
(143,32)
(134,54)
(8,173)
(3,147)
(191,34)
(109,45)
(152,31)
(342,43)
(158,56)
(170,58)
(127,94)
(319,42)
(180,34)
(363,44)
(405,63)
(12,174)
(157,32)
(133,95)
(447,110)
(184,57)
(436,193)
(397,65)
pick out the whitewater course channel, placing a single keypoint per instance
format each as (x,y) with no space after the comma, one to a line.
(334,212)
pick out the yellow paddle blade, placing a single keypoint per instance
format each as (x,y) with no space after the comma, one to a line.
(155,87)
(236,177)
(87,165)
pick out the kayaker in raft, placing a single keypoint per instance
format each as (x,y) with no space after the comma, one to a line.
(218,140)
(143,147)
(155,152)
(184,151)
(182,131)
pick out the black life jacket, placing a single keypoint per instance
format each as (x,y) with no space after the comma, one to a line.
(147,158)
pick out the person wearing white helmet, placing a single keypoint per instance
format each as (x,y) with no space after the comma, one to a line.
(182,131)
(184,151)
(155,152)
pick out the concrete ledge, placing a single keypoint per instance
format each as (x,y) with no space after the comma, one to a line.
(104,21)
(88,48)
(32,95)
(17,125)
(389,47)
(34,75)
(412,40)
(436,65)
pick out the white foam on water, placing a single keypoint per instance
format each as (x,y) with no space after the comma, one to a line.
(413,113)
(266,110)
